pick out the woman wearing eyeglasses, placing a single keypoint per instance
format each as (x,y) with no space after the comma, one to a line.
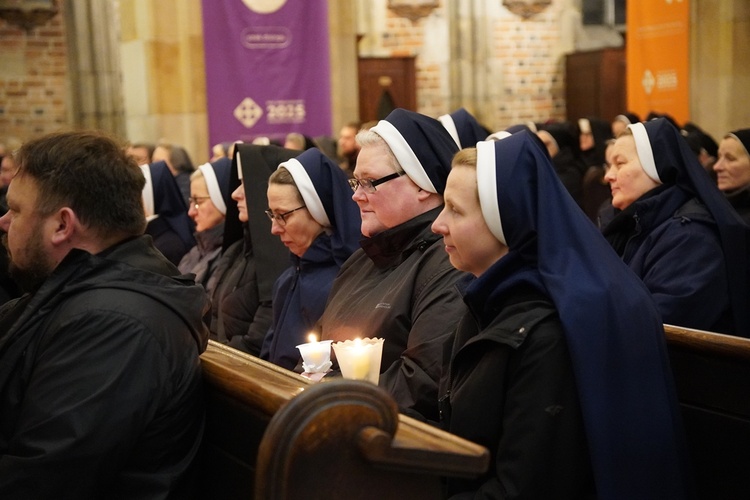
(209,197)
(253,258)
(313,214)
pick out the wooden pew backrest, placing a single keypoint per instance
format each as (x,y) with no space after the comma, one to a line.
(271,432)
(712,376)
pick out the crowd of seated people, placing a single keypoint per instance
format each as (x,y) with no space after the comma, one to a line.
(520,279)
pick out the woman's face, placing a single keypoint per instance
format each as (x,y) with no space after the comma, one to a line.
(733,166)
(238,195)
(202,210)
(627,179)
(470,245)
(298,230)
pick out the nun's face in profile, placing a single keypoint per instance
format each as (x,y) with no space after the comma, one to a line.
(733,166)
(470,245)
(393,202)
(202,210)
(298,229)
(627,179)
(238,195)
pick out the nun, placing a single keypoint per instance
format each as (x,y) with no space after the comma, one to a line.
(311,211)
(677,231)
(252,258)
(399,285)
(733,171)
(209,197)
(463,128)
(563,146)
(559,365)
(166,214)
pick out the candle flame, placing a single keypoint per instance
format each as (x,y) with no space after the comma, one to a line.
(357,342)
(312,337)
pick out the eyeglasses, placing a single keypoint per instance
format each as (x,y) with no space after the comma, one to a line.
(369,184)
(281,218)
(197,200)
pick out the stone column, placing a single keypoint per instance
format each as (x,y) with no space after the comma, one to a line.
(95,86)
(163,71)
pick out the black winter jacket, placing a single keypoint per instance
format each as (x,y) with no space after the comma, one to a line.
(100,382)
(511,389)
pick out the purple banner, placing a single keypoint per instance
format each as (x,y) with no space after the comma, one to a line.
(267,68)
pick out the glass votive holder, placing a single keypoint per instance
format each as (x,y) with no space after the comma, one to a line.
(359,359)
(316,356)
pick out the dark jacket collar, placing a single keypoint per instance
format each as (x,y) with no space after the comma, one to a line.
(210,239)
(392,246)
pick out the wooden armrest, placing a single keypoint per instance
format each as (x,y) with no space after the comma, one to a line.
(418,447)
(251,380)
(708,342)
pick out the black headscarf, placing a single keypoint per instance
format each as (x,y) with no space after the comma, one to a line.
(271,256)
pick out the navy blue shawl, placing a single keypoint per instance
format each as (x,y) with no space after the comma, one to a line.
(677,165)
(613,329)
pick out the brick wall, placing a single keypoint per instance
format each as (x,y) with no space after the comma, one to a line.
(522,78)
(33,80)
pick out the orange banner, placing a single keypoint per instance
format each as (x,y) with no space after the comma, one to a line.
(657,55)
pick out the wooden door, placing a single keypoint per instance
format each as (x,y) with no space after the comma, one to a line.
(386,83)
(595,84)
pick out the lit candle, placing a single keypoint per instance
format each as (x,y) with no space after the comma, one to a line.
(359,360)
(315,354)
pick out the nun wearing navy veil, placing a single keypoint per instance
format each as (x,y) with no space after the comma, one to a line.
(463,128)
(312,212)
(166,212)
(252,258)
(559,367)
(677,231)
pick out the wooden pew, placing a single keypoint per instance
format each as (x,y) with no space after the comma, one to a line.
(270,434)
(712,375)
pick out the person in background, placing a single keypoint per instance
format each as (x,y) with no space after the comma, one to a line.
(559,365)
(593,135)
(209,197)
(348,149)
(677,232)
(463,128)
(221,150)
(99,360)
(141,152)
(733,171)
(166,213)
(8,287)
(179,163)
(312,213)
(252,258)
(563,146)
(298,142)
(620,123)
(399,285)
(703,145)
(7,169)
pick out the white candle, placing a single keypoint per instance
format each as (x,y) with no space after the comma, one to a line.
(315,354)
(359,360)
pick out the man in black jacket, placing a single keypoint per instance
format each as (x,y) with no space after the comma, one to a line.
(100,388)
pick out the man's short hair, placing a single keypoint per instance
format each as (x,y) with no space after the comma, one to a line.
(92,174)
